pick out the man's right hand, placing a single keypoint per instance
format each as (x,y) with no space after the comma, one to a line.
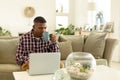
(25,66)
(52,38)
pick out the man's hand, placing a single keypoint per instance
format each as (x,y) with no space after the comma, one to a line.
(52,38)
(25,66)
(62,64)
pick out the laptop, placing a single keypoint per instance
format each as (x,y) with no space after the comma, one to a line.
(44,63)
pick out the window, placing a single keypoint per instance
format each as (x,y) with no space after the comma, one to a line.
(61,20)
(62,13)
(102,9)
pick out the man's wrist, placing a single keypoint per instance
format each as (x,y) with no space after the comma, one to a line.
(53,42)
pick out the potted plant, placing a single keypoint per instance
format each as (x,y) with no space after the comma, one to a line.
(66,31)
(4,32)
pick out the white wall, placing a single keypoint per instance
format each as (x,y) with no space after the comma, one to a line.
(115,16)
(12,15)
(80,12)
(72,11)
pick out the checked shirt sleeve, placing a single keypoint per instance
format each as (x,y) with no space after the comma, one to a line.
(54,47)
(21,57)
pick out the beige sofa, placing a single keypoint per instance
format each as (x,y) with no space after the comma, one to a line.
(67,44)
(102,49)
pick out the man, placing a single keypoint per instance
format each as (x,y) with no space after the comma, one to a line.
(33,41)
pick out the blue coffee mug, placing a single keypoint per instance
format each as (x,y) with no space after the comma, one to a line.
(46,36)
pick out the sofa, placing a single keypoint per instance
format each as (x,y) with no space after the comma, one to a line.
(67,44)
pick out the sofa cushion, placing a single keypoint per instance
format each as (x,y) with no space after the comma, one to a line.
(95,44)
(65,49)
(77,41)
(8,49)
(9,67)
(101,62)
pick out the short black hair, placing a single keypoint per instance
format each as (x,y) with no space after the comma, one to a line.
(40,19)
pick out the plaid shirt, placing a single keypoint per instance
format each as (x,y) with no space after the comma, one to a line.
(30,44)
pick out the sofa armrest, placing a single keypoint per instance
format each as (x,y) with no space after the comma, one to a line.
(109,49)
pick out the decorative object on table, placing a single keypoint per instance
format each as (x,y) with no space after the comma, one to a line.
(4,32)
(61,74)
(109,27)
(78,31)
(66,31)
(98,28)
(101,28)
(80,65)
(86,27)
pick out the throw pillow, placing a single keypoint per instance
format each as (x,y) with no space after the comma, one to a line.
(77,41)
(62,38)
(95,44)
(8,49)
(65,49)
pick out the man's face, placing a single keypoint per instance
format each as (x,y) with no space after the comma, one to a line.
(39,28)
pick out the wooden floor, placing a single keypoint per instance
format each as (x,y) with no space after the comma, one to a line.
(115,65)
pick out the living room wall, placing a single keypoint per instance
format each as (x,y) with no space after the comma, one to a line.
(12,15)
(80,12)
(13,19)
(115,16)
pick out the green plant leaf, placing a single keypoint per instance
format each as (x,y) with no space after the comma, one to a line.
(60,25)
(4,32)
(66,31)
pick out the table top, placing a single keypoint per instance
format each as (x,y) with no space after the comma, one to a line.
(101,73)
(23,75)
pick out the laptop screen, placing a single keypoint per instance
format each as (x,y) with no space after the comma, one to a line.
(44,63)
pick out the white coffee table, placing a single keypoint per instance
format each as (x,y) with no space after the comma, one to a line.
(101,73)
